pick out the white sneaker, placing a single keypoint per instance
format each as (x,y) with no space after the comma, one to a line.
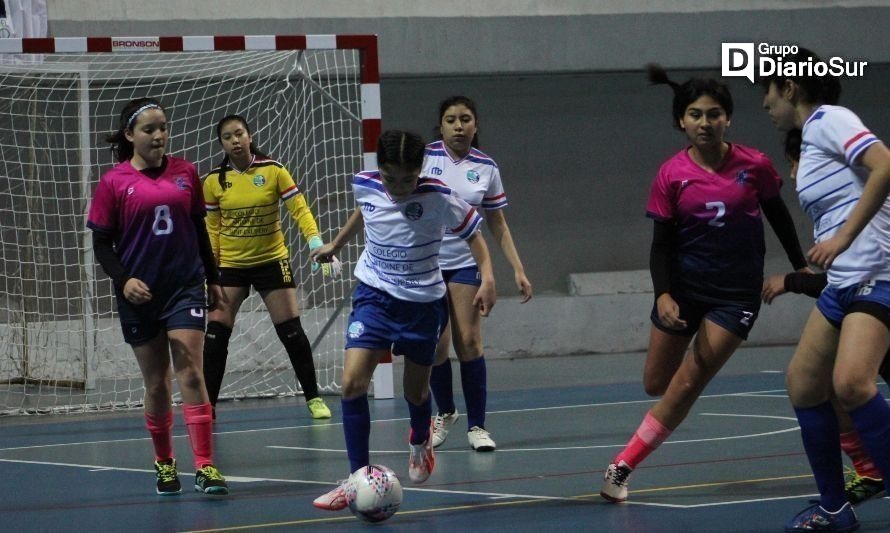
(333,500)
(480,440)
(422,461)
(615,482)
(442,425)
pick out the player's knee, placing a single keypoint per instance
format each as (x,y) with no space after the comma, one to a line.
(354,386)
(656,383)
(852,391)
(417,396)
(469,348)
(803,390)
(655,387)
(190,379)
(158,390)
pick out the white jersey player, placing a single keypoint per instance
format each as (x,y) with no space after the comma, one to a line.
(843,181)
(830,182)
(475,177)
(399,304)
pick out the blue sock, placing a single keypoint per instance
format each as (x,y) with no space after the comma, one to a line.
(819,431)
(872,421)
(420,420)
(474,378)
(440,384)
(357,430)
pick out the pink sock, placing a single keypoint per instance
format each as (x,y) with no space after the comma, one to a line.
(855,450)
(160,427)
(648,436)
(199,422)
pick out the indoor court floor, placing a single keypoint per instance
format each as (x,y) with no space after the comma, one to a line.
(736,464)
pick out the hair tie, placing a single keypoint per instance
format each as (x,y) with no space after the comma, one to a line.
(140,110)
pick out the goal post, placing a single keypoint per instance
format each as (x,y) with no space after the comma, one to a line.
(313,102)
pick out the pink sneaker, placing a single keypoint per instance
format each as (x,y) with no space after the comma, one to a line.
(335,500)
(422,461)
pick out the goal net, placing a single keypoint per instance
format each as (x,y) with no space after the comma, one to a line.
(313,104)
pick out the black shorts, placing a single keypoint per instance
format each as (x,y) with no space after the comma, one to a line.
(736,317)
(184,309)
(265,277)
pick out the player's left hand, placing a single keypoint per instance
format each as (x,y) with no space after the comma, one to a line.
(824,253)
(524,286)
(485,298)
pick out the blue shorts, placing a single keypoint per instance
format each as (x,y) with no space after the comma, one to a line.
(735,317)
(465,276)
(871,297)
(380,322)
(184,309)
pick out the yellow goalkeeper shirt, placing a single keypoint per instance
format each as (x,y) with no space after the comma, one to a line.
(243,217)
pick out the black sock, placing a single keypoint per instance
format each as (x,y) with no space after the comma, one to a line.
(216,351)
(300,353)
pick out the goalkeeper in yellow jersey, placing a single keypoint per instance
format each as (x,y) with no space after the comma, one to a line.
(243,221)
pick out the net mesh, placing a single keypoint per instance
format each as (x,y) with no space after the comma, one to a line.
(60,343)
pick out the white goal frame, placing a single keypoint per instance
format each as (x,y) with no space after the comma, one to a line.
(370,117)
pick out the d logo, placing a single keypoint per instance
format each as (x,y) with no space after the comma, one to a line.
(738,60)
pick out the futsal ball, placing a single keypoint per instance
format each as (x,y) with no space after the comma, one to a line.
(373,493)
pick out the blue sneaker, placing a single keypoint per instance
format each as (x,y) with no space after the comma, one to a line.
(815,518)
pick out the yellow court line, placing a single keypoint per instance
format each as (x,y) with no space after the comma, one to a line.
(401,513)
(500,504)
(714,484)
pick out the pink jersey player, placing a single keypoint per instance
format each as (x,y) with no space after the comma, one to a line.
(706,262)
(147,218)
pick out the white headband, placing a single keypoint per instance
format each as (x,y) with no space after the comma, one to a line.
(140,110)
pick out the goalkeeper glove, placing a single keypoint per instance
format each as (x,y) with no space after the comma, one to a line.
(331,269)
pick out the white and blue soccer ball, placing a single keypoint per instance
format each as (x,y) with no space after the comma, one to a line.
(373,493)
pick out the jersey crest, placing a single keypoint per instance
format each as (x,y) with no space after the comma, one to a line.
(414,211)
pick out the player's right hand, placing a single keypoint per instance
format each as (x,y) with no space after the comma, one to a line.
(323,254)
(669,312)
(136,291)
(216,296)
(773,286)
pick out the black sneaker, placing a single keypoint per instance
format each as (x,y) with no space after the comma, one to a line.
(209,481)
(168,480)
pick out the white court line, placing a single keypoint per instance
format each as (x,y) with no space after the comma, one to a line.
(492,495)
(590,447)
(243,479)
(96,468)
(791,418)
(754,394)
(718,504)
(757,500)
